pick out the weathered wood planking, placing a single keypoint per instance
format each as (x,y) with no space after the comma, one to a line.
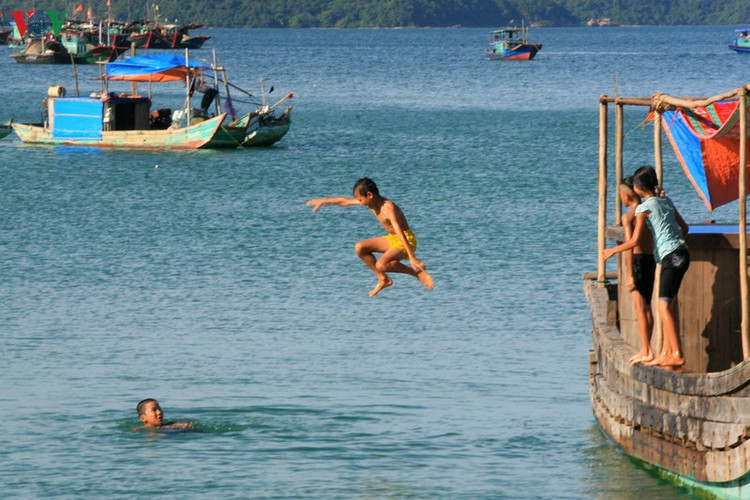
(693,425)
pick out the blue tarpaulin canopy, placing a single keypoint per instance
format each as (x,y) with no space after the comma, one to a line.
(155,68)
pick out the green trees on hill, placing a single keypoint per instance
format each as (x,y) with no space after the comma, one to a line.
(389,13)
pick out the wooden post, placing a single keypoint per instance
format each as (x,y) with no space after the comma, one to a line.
(657,146)
(618,161)
(187,87)
(216,84)
(743,224)
(657,337)
(601,241)
(132,53)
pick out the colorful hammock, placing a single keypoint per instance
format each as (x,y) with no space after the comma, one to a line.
(706,140)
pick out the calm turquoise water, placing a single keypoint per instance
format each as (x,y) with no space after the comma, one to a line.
(209,285)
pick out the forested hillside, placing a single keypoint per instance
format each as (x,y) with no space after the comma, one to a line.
(390,13)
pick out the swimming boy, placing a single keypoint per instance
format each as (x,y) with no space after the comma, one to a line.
(149,412)
(400,242)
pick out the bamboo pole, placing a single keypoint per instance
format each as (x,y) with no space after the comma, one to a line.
(618,160)
(743,226)
(601,239)
(216,84)
(132,53)
(187,86)
(657,147)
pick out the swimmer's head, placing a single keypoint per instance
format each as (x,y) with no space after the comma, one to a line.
(150,413)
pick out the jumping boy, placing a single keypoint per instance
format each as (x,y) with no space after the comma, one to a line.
(149,412)
(400,242)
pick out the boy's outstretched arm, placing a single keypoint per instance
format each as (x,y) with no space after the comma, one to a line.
(342,201)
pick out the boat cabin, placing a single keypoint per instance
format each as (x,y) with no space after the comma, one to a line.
(712,304)
(88,117)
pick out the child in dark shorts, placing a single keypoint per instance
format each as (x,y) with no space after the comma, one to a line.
(669,231)
(641,268)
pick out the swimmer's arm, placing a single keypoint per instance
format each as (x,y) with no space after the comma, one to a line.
(179,425)
(632,242)
(342,201)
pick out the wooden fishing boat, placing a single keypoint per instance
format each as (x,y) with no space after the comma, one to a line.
(109,120)
(511,44)
(54,52)
(179,36)
(741,44)
(6,128)
(232,135)
(120,122)
(693,423)
(266,128)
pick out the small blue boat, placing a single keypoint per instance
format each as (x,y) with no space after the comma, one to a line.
(511,44)
(741,44)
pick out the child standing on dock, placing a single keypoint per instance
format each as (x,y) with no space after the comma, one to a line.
(641,269)
(400,242)
(669,231)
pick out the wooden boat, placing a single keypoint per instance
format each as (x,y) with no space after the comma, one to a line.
(54,52)
(117,122)
(168,37)
(692,424)
(232,135)
(511,44)
(266,128)
(6,128)
(109,120)
(741,44)
(179,38)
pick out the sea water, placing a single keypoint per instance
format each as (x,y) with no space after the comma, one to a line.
(207,283)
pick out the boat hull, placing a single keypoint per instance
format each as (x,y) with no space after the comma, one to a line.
(93,56)
(197,136)
(692,426)
(743,49)
(265,131)
(232,135)
(523,52)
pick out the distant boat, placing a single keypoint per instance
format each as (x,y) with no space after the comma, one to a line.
(266,128)
(110,120)
(6,128)
(742,42)
(511,43)
(54,52)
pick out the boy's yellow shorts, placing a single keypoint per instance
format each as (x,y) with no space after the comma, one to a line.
(395,242)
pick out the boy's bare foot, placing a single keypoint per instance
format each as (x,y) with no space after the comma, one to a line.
(672,361)
(381,284)
(657,360)
(425,278)
(641,358)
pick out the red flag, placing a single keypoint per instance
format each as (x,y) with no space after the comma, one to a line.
(79,8)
